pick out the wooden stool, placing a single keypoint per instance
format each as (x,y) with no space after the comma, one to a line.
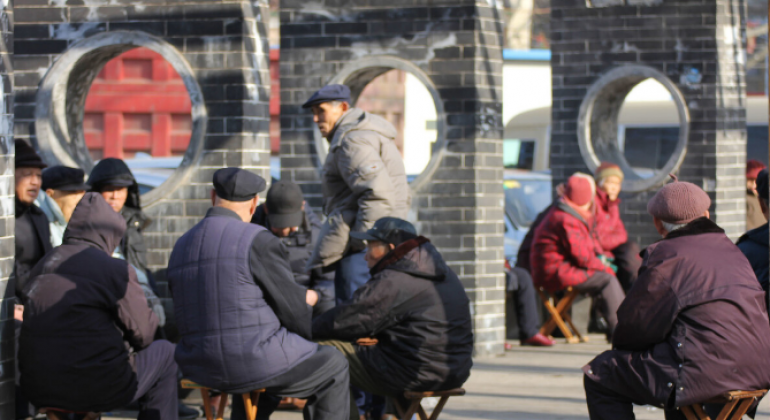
(559,314)
(56,414)
(250,401)
(741,399)
(416,397)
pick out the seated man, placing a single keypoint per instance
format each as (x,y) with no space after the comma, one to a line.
(610,229)
(565,251)
(411,320)
(86,340)
(755,244)
(693,326)
(283,212)
(244,322)
(63,188)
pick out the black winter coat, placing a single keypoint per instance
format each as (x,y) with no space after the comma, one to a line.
(755,245)
(84,316)
(418,310)
(26,242)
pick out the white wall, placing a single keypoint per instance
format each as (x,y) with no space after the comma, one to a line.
(418,139)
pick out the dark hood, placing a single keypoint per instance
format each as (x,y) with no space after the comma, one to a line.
(758,235)
(416,257)
(112,171)
(95,223)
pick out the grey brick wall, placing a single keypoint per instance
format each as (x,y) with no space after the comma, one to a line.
(224,43)
(678,38)
(7,221)
(457,45)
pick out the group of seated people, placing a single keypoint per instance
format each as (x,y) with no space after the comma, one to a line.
(248,315)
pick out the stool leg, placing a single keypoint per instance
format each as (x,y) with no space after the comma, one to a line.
(440,406)
(412,409)
(742,408)
(255,400)
(690,414)
(222,406)
(251,408)
(206,403)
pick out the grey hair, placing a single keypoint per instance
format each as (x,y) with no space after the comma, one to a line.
(670,227)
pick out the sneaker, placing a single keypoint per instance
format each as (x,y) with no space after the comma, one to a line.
(538,340)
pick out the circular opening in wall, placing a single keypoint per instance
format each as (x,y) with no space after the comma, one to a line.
(636,117)
(79,119)
(402,93)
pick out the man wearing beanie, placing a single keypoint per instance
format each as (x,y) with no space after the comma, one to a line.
(754,216)
(565,251)
(610,229)
(754,244)
(32,233)
(693,326)
(63,188)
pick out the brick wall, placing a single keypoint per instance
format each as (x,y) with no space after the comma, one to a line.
(225,45)
(698,45)
(457,46)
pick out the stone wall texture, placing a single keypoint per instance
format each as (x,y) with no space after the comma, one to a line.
(455,47)
(225,45)
(699,46)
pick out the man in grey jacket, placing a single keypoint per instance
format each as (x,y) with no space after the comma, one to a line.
(364,180)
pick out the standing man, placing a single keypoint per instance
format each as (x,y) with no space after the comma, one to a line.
(755,244)
(754,216)
(363,180)
(63,188)
(32,234)
(244,322)
(284,214)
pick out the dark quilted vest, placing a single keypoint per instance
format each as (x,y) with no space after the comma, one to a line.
(230,338)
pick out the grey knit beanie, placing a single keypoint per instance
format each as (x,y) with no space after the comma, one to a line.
(679,203)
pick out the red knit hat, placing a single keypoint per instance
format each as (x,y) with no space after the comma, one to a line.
(753,167)
(679,203)
(580,189)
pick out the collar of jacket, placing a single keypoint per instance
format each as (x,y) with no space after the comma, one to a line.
(758,235)
(569,210)
(397,253)
(51,210)
(221,211)
(603,200)
(348,120)
(698,226)
(135,218)
(22,208)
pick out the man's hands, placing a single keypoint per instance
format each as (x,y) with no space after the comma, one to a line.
(367,341)
(311,297)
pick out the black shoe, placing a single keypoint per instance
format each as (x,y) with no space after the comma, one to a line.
(187,412)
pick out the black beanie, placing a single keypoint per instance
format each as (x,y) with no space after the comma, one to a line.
(26,157)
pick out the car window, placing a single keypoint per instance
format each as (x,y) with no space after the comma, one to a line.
(525,199)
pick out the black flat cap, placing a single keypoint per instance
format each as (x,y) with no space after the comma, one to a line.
(762,184)
(63,178)
(26,156)
(284,205)
(235,184)
(388,229)
(329,93)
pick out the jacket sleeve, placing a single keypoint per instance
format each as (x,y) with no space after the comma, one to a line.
(269,262)
(137,320)
(372,309)
(647,314)
(579,246)
(611,231)
(365,174)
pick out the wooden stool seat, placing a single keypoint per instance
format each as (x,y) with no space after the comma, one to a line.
(56,413)
(737,403)
(559,310)
(416,397)
(250,401)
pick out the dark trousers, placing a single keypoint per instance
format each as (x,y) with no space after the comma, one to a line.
(606,404)
(628,261)
(606,288)
(156,374)
(525,301)
(323,379)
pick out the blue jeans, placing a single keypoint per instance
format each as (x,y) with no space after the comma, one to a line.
(352,273)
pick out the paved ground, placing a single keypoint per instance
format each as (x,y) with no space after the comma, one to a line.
(526,384)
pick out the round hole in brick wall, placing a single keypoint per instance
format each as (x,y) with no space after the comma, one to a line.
(61,98)
(646,152)
(403,94)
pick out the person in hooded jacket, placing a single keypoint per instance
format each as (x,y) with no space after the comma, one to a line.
(566,252)
(693,326)
(754,216)
(363,180)
(755,244)
(63,188)
(32,232)
(113,179)
(284,214)
(87,339)
(411,322)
